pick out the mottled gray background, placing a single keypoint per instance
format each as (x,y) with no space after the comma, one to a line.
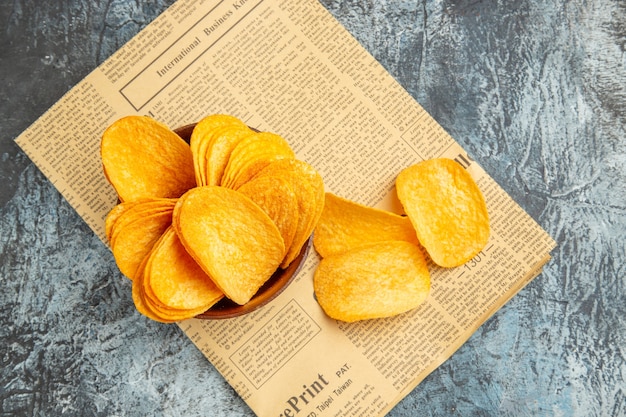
(535,91)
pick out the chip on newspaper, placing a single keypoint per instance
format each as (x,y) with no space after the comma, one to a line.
(374,261)
(446,208)
(345,224)
(376,280)
(210,219)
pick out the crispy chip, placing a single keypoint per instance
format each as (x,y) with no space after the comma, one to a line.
(168,314)
(202,138)
(149,306)
(173,279)
(382,279)
(231,238)
(144,158)
(118,211)
(139,298)
(308,186)
(345,224)
(151,309)
(253,154)
(446,208)
(136,229)
(219,150)
(198,222)
(276,198)
(113,215)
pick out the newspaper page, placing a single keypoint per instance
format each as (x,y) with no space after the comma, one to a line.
(287,66)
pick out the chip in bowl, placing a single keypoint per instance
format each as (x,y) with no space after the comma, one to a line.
(276,198)
(144,158)
(133,228)
(202,137)
(174,280)
(232,239)
(308,187)
(251,155)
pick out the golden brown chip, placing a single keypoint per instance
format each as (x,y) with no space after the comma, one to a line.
(251,155)
(345,224)
(149,306)
(382,279)
(118,212)
(113,215)
(231,238)
(139,298)
(308,186)
(202,137)
(446,208)
(174,279)
(276,198)
(168,314)
(128,211)
(136,230)
(144,158)
(219,150)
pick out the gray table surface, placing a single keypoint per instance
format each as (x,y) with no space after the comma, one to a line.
(535,92)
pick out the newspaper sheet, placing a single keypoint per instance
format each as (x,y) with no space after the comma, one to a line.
(288,67)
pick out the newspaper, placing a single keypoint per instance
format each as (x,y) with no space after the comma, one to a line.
(287,66)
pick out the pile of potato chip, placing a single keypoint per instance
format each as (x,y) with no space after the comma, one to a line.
(208,219)
(374,262)
(216,217)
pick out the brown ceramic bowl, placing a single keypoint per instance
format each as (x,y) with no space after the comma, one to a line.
(270,290)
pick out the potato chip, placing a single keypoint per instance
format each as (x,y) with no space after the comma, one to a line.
(155,310)
(253,154)
(231,238)
(169,315)
(144,158)
(136,230)
(382,279)
(308,186)
(446,208)
(219,150)
(118,212)
(146,303)
(276,198)
(113,215)
(345,224)
(129,211)
(202,137)
(139,298)
(173,279)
